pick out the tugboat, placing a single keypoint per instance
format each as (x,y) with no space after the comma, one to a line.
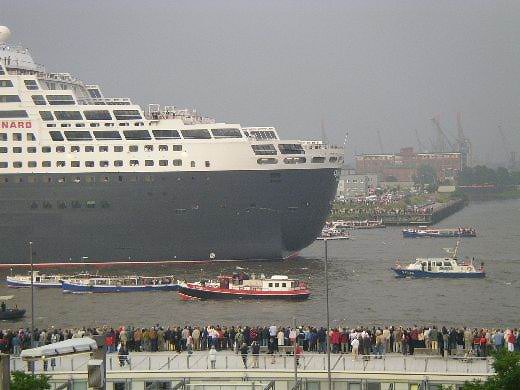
(9,314)
(120,284)
(423,231)
(441,267)
(243,286)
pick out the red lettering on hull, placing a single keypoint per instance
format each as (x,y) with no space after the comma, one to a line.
(15,125)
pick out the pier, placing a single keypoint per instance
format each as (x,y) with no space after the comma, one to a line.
(438,213)
(169,370)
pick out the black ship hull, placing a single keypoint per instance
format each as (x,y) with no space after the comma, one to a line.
(107,217)
(226,294)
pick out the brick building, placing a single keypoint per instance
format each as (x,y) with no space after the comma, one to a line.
(403,165)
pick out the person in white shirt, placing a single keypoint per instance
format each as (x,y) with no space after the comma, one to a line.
(355,347)
(212,357)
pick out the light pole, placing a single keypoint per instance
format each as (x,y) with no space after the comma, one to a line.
(327,308)
(32,299)
(294,353)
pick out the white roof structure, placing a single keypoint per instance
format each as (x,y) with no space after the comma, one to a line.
(77,345)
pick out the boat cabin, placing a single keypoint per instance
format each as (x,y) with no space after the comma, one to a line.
(244,282)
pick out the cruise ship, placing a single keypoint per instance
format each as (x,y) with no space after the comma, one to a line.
(88,178)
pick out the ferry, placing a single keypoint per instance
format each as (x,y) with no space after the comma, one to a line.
(442,267)
(120,284)
(243,286)
(40,280)
(365,224)
(105,179)
(423,231)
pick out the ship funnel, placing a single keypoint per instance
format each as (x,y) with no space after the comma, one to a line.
(5,33)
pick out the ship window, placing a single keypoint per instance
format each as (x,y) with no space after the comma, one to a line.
(137,134)
(333,159)
(74,164)
(163,163)
(163,148)
(103,164)
(6,83)
(148,148)
(134,163)
(79,124)
(118,148)
(267,161)
(103,148)
(89,148)
(196,134)
(31,137)
(17,164)
(60,164)
(2,72)
(263,134)
(31,164)
(294,160)
(39,100)
(226,133)
(192,164)
(3,136)
(46,115)
(318,159)
(94,124)
(46,164)
(56,135)
(65,125)
(31,85)
(284,285)
(17,149)
(177,163)
(89,164)
(177,148)
(68,115)
(78,135)
(13,114)
(166,134)
(60,100)
(291,149)
(277,284)
(118,163)
(148,163)
(74,149)
(9,99)
(94,93)
(97,115)
(31,149)
(3,164)
(3,149)
(106,135)
(264,150)
(60,149)
(207,164)
(17,136)
(122,115)
(270,285)
(133,148)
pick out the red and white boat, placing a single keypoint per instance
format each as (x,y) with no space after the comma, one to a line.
(243,286)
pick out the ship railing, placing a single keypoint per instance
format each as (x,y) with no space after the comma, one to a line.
(101,101)
(279,361)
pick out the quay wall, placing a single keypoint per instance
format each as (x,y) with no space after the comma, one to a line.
(440,211)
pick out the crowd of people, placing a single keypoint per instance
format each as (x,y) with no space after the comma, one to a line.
(355,340)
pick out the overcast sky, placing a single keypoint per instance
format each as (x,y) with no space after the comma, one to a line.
(363,66)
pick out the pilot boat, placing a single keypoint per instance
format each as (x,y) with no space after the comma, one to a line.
(440,267)
(243,286)
(120,284)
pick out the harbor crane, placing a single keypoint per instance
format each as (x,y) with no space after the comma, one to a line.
(420,145)
(380,142)
(463,143)
(442,139)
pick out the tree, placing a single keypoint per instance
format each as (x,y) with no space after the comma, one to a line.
(507,373)
(426,176)
(22,381)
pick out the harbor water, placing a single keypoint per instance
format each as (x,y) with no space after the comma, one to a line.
(363,290)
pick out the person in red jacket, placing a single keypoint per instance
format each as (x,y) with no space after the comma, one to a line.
(335,340)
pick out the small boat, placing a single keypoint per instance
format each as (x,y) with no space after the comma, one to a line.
(243,286)
(9,313)
(333,234)
(120,284)
(423,231)
(40,280)
(441,267)
(366,224)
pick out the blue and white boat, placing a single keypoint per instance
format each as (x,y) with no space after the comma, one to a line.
(440,267)
(41,280)
(120,284)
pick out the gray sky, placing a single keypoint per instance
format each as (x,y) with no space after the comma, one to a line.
(362,66)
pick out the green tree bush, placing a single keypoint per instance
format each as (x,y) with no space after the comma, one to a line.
(22,381)
(507,373)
